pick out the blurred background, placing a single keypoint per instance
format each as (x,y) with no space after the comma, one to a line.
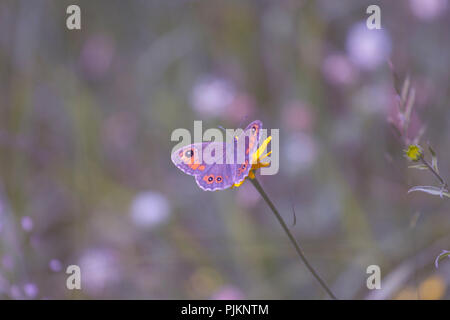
(86,177)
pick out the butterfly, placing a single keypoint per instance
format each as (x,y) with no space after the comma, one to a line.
(223,174)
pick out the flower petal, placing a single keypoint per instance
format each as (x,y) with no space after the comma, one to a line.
(257,155)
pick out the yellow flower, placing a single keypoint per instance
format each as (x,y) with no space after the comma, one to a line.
(432,288)
(414,152)
(256,161)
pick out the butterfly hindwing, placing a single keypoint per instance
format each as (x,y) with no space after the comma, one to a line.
(217,177)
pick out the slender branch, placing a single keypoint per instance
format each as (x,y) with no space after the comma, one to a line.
(291,237)
(425,162)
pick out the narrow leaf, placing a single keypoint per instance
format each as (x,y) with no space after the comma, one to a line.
(409,105)
(440,257)
(395,77)
(434,161)
(418,166)
(405,89)
(431,190)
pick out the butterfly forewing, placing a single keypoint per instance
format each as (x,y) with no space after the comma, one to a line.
(251,137)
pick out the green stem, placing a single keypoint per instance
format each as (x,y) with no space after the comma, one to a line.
(291,237)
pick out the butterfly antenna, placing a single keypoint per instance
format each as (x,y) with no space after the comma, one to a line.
(293,213)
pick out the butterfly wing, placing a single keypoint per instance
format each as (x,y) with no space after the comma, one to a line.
(208,175)
(251,134)
(213,175)
(217,177)
(188,158)
(254,133)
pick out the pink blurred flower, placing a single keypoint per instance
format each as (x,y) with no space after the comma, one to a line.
(27,223)
(297,115)
(368,48)
(228,292)
(338,70)
(428,9)
(15,293)
(96,56)
(241,106)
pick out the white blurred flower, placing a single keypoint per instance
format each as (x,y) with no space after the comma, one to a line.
(211,96)
(368,48)
(98,270)
(31,290)
(301,152)
(149,209)
(27,223)
(428,9)
(55,265)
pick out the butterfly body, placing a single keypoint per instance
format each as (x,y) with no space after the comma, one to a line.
(231,166)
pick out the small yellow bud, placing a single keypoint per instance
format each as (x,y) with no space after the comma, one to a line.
(414,152)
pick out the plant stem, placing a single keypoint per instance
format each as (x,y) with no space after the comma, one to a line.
(444,184)
(291,237)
